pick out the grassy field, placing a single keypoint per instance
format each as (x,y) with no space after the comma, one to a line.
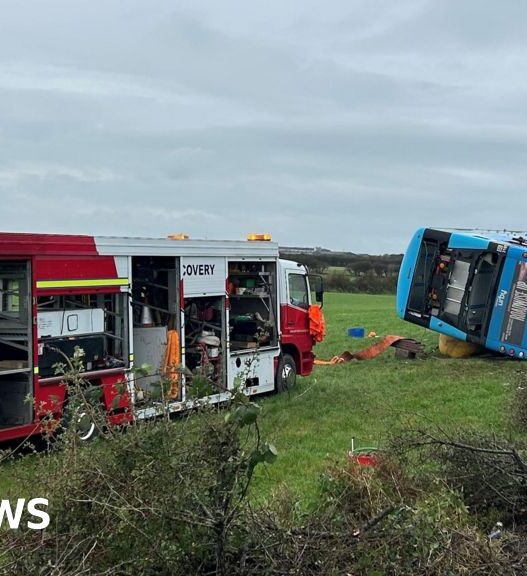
(312,427)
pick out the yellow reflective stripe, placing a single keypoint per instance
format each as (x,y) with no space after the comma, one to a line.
(35,370)
(82,283)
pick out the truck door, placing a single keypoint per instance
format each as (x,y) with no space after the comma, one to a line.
(295,318)
(297,300)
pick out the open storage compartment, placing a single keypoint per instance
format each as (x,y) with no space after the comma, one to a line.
(205,336)
(16,376)
(155,302)
(181,336)
(96,322)
(253,314)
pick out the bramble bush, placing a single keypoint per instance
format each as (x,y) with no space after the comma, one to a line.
(173,498)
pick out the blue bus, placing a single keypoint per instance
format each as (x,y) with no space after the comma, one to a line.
(468,285)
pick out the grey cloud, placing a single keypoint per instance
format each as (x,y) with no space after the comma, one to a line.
(345,125)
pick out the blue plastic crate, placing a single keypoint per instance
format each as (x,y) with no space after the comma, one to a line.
(356,332)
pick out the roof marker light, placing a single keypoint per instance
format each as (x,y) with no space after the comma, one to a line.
(259,237)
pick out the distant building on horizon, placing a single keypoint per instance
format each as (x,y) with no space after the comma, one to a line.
(303,250)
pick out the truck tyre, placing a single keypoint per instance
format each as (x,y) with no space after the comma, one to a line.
(87,430)
(85,427)
(285,373)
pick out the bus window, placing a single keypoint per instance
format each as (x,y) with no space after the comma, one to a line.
(483,283)
(419,291)
(457,285)
(470,289)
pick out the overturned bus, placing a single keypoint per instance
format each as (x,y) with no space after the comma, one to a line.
(468,285)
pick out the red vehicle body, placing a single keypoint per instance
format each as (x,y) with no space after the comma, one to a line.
(119,298)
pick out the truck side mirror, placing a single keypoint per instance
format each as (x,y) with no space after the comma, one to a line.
(317,285)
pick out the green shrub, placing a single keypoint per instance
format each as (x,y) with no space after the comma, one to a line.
(519,401)
(376,522)
(163,498)
(370,283)
(338,282)
(171,498)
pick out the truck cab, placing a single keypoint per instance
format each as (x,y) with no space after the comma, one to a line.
(295,301)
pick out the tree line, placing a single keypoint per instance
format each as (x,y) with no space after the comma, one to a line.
(349,272)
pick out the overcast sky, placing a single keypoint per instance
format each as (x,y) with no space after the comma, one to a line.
(344,123)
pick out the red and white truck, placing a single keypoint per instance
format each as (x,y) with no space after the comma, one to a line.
(224,312)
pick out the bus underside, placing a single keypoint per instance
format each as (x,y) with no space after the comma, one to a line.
(454,285)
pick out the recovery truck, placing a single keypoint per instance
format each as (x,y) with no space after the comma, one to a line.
(206,315)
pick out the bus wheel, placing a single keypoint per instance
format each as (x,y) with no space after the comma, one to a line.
(286,373)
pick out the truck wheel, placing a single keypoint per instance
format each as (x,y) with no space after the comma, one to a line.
(83,420)
(85,427)
(87,430)
(286,373)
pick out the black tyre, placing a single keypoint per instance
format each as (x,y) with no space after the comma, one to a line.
(87,430)
(83,418)
(286,373)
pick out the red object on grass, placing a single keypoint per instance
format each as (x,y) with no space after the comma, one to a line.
(369,459)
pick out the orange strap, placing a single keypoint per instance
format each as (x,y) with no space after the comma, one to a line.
(171,362)
(365,354)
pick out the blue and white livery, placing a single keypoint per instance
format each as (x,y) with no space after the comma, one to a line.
(469,285)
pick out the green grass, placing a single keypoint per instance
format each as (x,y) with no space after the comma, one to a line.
(313,427)
(9,477)
(337,269)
